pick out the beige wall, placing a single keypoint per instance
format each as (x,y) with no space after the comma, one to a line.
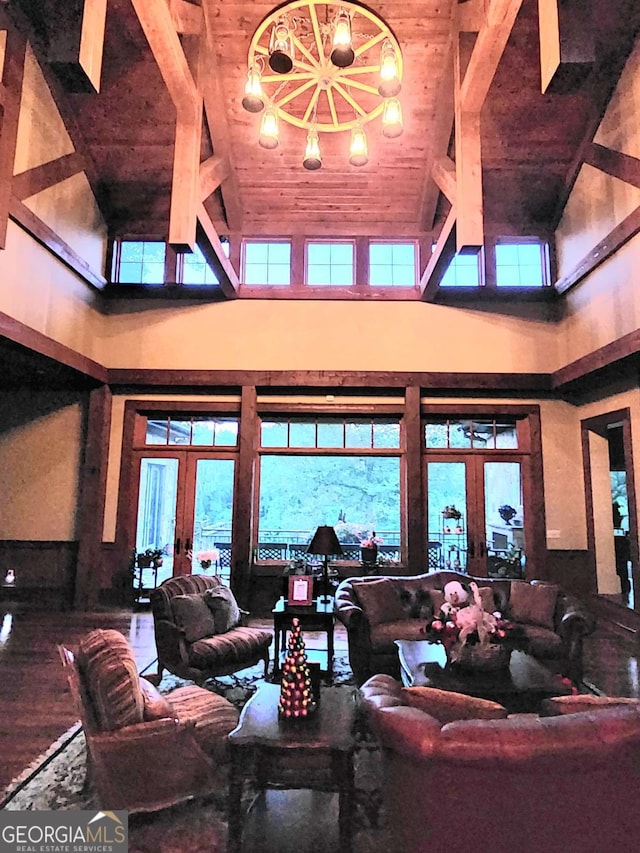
(69,208)
(39,465)
(605,306)
(319,335)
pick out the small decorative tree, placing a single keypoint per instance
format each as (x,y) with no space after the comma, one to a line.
(296,695)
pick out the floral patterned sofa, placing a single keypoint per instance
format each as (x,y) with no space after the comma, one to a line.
(376,611)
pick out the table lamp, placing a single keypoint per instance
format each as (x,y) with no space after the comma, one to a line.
(325,543)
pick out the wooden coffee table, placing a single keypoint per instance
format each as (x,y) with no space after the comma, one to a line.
(521,687)
(315,753)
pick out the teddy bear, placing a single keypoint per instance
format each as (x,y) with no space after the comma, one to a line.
(456,596)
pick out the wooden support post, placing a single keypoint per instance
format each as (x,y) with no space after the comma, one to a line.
(92,504)
(567,43)
(76,43)
(185,186)
(241,535)
(414,509)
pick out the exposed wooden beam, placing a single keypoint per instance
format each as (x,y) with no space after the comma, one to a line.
(45,235)
(47,175)
(76,43)
(443,173)
(468,153)
(479,383)
(487,52)
(622,166)
(567,43)
(12,74)
(187,17)
(608,357)
(213,172)
(159,29)
(214,253)
(441,257)
(615,239)
(185,185)
(440,138)
(217,120)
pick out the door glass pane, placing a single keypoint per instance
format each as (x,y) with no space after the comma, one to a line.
(213,512)
(156,524)
(447,513)
(504,519)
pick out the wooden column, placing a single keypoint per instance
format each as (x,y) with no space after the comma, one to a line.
(93,484)
(242,525)
(415,514)
(567,43)
(76,43)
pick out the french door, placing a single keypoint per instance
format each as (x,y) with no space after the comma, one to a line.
(185,509)
(476,513)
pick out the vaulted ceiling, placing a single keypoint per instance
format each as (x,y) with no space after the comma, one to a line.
(481,145)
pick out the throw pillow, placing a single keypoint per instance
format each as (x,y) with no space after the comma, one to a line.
(156,706)
(447,706)
(223,607)
(487,598)
(533,604)
(583,702)
(437,600)
(379,600)
(193,616)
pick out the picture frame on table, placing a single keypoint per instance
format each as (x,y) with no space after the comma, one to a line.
(300,592)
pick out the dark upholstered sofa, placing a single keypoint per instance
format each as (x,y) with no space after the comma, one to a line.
(190,648)
(376,611)
(460,775)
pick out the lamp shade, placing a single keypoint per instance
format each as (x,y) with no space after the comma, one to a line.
(324,542)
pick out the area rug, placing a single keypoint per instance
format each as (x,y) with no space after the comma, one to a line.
(56,781)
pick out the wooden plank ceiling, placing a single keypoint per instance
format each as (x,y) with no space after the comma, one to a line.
(520,167)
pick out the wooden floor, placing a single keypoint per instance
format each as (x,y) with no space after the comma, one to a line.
(36,708)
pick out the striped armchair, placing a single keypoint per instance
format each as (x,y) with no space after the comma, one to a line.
(145,751)
(190,647)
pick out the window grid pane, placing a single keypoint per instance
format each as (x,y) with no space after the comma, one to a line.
(520,264)
(330,264)
(141,262)
(392,264)
(346,433)
(196,270)
(267,263)
(463,271)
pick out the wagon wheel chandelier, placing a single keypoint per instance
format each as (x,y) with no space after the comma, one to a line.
(325,68)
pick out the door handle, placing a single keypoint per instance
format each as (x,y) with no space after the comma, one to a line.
(482,548)
(187,544)
(178,542)
(471,548)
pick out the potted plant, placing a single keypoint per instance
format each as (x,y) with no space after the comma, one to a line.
(369,549)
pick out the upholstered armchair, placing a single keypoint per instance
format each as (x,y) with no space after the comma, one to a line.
(195,640)
(145,751)
(461,775)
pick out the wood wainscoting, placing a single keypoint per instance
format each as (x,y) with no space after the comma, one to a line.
(572,569)
(45,571)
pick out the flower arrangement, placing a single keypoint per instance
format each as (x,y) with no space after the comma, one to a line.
(451,512)
(150,557)
(371,541)
(206,558)
(470,625)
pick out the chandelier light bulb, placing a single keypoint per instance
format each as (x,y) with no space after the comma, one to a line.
(269,129)
(312,157)
(253,100)
(281,49)
(392,118)
(358,154)
(342,54)
(389,82)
